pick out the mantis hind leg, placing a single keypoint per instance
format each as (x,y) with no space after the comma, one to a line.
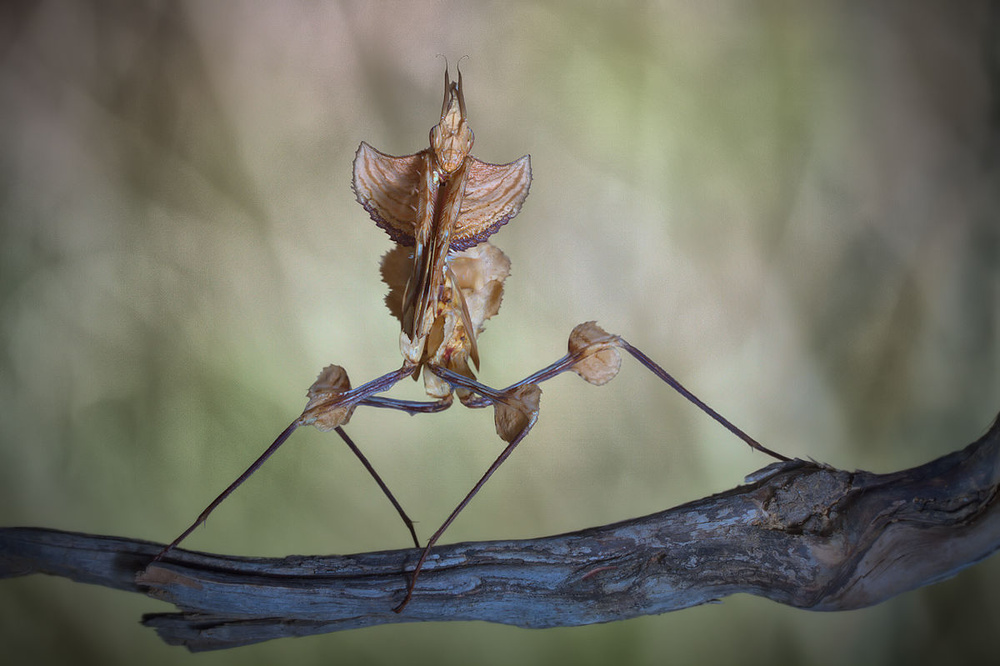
(203,516)
(509,449)
(677,386)
(332,401)
(381,484)
(593,354)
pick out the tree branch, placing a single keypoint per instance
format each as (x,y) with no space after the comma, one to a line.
(799,533)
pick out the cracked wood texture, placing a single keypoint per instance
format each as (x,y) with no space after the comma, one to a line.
(799,533)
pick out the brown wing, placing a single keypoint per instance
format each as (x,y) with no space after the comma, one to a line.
(387,188)
(493,194)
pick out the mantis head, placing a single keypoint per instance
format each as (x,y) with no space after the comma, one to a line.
(452,138)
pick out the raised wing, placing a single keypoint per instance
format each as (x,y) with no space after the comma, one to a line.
(387,188)
(493,195)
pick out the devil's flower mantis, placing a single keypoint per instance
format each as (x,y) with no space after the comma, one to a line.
(445,280)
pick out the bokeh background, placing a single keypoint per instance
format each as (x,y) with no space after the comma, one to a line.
(795,208)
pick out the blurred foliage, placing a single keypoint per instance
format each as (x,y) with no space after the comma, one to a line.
(794,208)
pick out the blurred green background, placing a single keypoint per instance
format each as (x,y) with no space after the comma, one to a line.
(792,207)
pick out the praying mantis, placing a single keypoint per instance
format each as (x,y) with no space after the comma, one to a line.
(445,280)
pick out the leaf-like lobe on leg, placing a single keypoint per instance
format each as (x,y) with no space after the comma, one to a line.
(518,412)
(600,360)
(480,272)
(396,266)
(387,188)
(323,409)
(494,193)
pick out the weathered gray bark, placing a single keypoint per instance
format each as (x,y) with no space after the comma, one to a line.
(799,533)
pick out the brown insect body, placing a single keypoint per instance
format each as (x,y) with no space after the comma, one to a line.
(441,202)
